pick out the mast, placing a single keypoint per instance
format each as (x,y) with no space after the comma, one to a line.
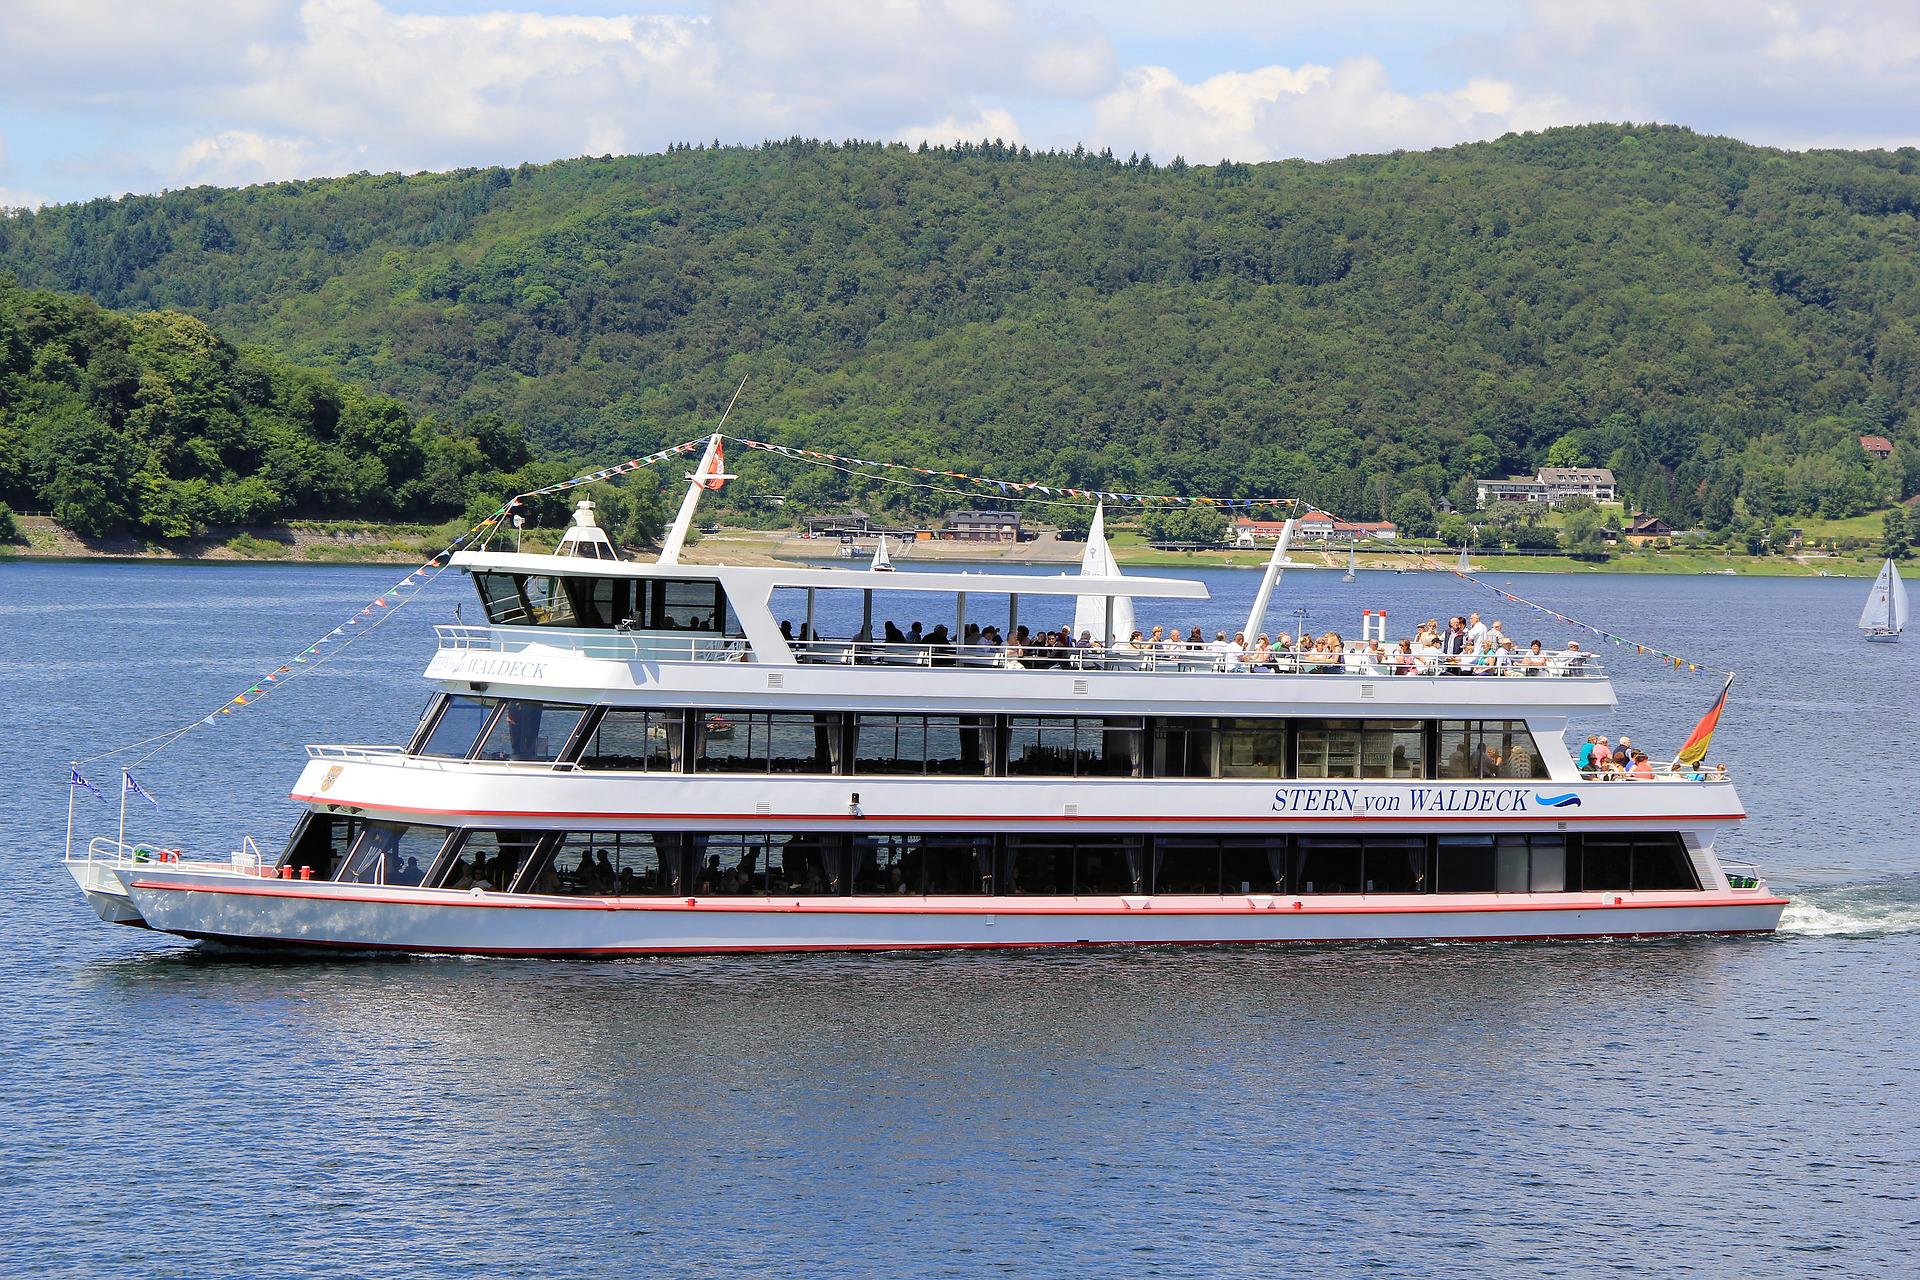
(710,474)
(1271,578)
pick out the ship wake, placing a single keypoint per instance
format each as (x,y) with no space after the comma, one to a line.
(1858,910)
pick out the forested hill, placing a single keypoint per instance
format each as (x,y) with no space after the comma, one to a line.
(1718,322)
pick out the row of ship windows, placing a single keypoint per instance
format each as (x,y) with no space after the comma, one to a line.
(615,863)
(463,727)
(655,604)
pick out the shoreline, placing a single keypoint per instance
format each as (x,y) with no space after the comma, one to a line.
(362,542)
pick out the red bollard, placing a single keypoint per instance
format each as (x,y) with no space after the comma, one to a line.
(306,873)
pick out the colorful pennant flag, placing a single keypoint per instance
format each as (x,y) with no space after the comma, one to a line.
(77,781)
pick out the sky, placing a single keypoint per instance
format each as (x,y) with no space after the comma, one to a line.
(105,97)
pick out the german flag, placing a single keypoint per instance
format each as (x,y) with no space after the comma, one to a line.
(1694,749)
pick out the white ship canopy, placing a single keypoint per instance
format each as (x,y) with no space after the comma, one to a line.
(1886,607)
(1090,611)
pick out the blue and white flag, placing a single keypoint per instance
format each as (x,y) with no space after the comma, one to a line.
(75,780)
(134,788)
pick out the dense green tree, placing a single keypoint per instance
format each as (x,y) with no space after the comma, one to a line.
(1719,322)
(1581,534)
(1414,512)
(1896,539)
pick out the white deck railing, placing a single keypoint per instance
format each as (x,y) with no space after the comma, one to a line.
(658,647)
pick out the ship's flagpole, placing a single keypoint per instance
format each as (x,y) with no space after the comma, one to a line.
(73,767)
(1275,567)
(708,475)
(122,838)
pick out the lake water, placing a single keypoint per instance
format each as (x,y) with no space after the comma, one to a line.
(1713,1107)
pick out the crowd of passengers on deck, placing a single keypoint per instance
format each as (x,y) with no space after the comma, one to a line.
(1465,646)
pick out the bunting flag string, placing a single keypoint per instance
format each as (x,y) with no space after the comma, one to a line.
(383,606)
(1673,660)
(1007,489)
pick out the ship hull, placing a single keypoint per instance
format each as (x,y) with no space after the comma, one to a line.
(248,910)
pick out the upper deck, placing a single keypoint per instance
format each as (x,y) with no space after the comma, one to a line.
(596,630)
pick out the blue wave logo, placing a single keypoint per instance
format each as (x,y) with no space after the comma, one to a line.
(1568,801)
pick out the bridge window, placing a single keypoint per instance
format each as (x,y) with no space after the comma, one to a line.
(922,744)
(636,741)
(500,597)
(769,742)
(532,731)
(548,604)
(687,605)
(392,854)
(1066,747)
(607,602)
(1489,749)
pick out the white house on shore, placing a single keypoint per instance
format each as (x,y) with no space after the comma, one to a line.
(1551,485)
(1315,526)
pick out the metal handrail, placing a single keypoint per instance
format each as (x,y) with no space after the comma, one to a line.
(656,646)
(385,753)
(1352,662)
(1664,771)
(632,646)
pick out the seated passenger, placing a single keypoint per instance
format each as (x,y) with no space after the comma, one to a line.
(1642,767)
(1534,662)
(1223,650)
(1405,663)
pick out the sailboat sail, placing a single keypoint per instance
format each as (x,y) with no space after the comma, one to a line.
(882,562)
(1352,564)
(1886,611)
(1090,612)
(1466,565)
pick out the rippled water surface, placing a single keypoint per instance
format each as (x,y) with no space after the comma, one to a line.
(1709,1107)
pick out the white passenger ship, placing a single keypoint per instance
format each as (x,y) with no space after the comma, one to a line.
(633,759)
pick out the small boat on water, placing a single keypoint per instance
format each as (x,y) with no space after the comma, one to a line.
(1350,575)
(1465,565)
(1884,616)
(882,562)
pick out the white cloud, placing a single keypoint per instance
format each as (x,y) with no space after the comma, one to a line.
(238,157)
(170,91)
(977,126)
(1308,111)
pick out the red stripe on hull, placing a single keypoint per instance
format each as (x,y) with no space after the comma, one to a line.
(990,907)
(615,953)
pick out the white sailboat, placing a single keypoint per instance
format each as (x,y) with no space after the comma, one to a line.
(1884,616)
(882,562)
(1350,575)
(1466,565)
(1090,613)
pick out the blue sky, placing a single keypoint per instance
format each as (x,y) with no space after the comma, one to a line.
(103,97)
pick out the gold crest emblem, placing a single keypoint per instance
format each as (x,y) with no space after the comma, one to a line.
(333,775)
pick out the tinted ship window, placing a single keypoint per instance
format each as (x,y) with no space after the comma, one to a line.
(457,727)
(535,731)
(390,854)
